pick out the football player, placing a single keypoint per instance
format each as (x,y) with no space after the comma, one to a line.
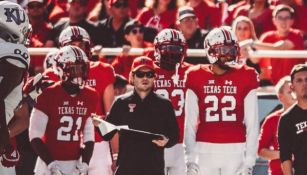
(221,125)
(61,115)
(101,77)
(14,63)
(170,49)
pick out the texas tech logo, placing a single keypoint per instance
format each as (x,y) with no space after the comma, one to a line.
(15,14)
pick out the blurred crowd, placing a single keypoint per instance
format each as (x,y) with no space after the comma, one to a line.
(134,24)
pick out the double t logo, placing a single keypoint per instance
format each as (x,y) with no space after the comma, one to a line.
(14,14)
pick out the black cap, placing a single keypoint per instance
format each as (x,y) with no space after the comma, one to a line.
(131,25)
(82,2)
(298,68)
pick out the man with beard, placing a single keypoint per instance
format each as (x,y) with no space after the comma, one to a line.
(221,125)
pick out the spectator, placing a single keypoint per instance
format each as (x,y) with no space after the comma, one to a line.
(159,15)
(110,31)
(187,23)
(144,110)
(41,30)
(120,85)
(209,16)
(244,29)
(268,143)
(292,39)
(292,126)
(232,9)
(77,17)
(260,12)
(59,11)
(134,35)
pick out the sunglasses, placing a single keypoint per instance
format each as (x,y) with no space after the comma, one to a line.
(120,5)
(35,5)
(137,30)
(140,74)
(283,18)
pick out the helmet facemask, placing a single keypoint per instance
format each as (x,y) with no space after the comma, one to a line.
(170,55)
(76,73)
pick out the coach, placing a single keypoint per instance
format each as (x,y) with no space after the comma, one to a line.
(142,109)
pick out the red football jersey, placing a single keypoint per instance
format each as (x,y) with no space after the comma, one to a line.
(67,116)
(268,139)
(166,86)
(221,102)
(100,76)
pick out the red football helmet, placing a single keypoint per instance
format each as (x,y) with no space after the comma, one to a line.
(72,65)
(75,33)
(170,48)
(222,46)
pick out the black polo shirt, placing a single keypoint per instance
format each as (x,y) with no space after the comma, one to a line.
(292,138)
(152,114)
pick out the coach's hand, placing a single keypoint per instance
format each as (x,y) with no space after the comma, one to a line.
(161,142)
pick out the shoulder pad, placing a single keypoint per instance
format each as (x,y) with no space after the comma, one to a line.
(15,51)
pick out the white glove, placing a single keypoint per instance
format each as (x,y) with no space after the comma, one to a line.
(247,171)
(81,169)
(192,169)
(55,168)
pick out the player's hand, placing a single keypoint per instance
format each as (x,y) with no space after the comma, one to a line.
(161,142)
(35,85)
(82,168)
(247,171)
(55,168)
(192,169)
(11,156)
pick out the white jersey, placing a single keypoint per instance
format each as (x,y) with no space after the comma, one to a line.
(18,55)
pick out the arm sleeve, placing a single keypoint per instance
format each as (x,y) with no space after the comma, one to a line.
(266,135)
(284,140)
(38,124)
(88,131)
(252,127)
(172,126)
(190,125)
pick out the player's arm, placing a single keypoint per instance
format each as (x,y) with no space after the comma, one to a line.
(88,140)
(108,97)
(285,139)
(38,124)
(265,139)
(10,77)
(20,121)
(190,125)
(252,127)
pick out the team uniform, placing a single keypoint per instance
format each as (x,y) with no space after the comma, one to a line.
(60,119)
(17,55)
(221,125)
(268,139)
(100,76)
(167,86)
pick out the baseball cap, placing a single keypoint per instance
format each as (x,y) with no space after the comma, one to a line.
(142,61)
(131,25)
(298,68)
(40,1)
(184,12)
(112,2)
(81,2)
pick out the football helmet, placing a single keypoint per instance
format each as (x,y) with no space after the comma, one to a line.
(49,60)
(170,48)
(76,33)
(14,23)
(222,46)
(72,65)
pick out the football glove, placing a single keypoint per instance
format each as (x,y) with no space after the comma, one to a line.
(247,171)
(10,154)
(35,85)
(81,169)
(55,168)
(192,169)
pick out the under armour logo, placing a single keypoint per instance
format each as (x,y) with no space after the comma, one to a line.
(229,82)
(65,103)
(131,107)
(211,81)
(161,76)
(13,14)
(80,103)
